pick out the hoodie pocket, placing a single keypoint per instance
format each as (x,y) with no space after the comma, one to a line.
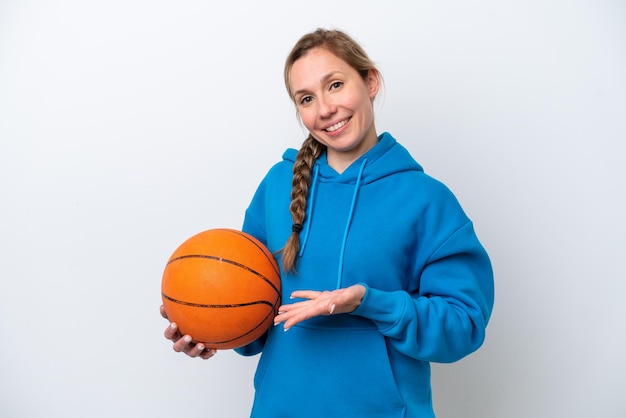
(326,372)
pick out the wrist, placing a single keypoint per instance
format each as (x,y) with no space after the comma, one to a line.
(360,291)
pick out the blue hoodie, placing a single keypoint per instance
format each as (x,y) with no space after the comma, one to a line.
(387,225)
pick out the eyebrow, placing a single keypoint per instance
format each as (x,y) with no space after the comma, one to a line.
(323,80)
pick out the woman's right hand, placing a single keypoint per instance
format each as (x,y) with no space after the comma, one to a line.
(184,343)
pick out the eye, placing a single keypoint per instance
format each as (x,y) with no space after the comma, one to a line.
(335,85)
(305,100)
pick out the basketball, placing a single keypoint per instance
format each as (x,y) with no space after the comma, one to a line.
(221,287)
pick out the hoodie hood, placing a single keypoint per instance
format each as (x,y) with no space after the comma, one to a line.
(387,157)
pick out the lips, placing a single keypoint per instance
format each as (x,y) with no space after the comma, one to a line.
(336,126)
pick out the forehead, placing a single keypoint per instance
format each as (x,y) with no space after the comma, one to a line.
(315,66)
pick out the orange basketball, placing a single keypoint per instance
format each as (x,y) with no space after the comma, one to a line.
(221,287)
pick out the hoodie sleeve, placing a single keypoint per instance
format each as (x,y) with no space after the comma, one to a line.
(445,318)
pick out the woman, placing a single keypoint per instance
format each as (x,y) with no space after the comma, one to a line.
(382,272)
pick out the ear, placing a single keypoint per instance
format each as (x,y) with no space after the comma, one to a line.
(373,83)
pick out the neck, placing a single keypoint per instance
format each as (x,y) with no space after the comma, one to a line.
(341,160)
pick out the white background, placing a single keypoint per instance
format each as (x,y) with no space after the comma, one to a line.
(128,126)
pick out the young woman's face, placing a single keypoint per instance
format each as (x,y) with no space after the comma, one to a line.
(335,104)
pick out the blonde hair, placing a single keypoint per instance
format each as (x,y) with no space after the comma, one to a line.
(347,49)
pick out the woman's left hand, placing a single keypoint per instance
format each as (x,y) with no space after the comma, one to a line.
(319,303)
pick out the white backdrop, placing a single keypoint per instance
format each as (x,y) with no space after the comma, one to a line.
(126,126)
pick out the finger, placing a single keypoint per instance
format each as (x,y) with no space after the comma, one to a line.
(183,344)
(284,316)
(296,316)
(171,332)
(163,313)
(208,353)
(290,308)
(279,318)
(305,294)
(195,350)
(200,350)
(282,309)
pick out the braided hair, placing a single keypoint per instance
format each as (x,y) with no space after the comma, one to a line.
(310,150)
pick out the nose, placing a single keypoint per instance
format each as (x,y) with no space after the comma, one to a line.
(326,108)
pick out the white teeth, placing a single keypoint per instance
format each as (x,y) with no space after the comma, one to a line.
(336,126)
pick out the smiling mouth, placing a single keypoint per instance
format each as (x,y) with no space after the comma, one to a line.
(337,125)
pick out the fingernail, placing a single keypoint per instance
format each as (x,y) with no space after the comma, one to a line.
(187,339)
(200,347)
(332,308)
(173,326)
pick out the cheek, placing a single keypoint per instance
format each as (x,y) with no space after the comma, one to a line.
(308,118)
(367,107)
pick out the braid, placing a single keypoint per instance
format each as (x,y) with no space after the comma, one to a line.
(310,150)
